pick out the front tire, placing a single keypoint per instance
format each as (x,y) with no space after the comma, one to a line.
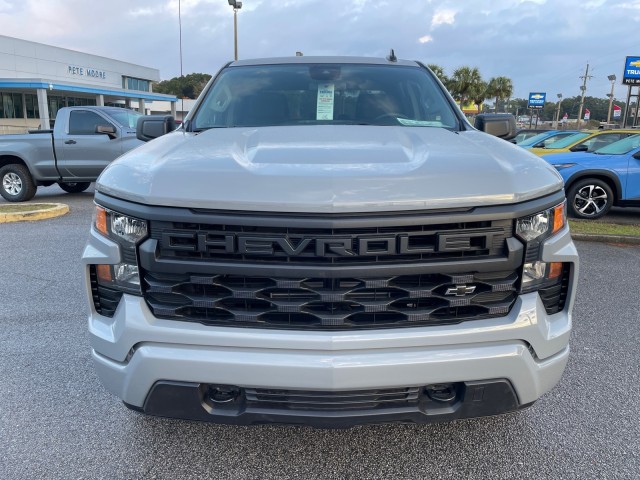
(16,184)
(74,187)
(589,198)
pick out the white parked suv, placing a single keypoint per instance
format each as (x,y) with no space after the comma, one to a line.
(327,241)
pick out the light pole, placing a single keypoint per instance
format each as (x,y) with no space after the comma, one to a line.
(612,79)
(236,6)
(558,110)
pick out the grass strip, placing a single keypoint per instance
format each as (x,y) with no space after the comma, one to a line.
(24,207)
(594,227)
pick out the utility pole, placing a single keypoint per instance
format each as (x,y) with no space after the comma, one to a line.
(612,79)
(583,88)
(557,122)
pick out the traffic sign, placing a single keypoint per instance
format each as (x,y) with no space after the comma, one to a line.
(631,75)
(536,99)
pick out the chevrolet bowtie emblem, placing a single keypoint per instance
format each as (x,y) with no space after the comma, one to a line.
(460,290)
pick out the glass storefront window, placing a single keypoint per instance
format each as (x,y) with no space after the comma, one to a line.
(33,110)
(11,105)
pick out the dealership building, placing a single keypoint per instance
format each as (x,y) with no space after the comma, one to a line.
(36,80)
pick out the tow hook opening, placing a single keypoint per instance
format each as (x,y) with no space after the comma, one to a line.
(441,392)
(223,393)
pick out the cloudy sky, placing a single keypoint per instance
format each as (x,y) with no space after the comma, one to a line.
(542,45)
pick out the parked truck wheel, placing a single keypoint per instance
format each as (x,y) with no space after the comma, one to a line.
(16,184)
(74,187)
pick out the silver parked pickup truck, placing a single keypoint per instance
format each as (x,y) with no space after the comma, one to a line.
(83,142)
(327,241)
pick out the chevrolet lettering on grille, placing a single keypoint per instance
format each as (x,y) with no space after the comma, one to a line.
(344,246)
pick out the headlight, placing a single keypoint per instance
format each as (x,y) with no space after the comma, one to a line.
(534,229)
(127,232)
(542,225)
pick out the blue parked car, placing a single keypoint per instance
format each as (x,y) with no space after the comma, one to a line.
(596,181)
(545,138)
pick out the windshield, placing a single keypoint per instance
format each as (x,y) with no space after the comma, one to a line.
(126,118)
(568,141)
(533,140)
(304,94)
(621,146)
(547,138)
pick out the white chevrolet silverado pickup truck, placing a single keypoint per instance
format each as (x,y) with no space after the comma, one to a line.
(327,241)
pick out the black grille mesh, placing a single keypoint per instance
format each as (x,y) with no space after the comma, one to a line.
(332,401)
(105,300)
(554,297)
(344,303)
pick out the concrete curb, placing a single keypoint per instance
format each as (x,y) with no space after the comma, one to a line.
(55,210)
(625,239)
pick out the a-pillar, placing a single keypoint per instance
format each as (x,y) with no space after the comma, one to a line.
(141,105)
(100,100)
(43,108)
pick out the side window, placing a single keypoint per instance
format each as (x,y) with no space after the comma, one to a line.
(601,141)
(84,122)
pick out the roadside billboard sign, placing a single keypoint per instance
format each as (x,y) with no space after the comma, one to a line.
(587,114)
(631,74)
(536,99)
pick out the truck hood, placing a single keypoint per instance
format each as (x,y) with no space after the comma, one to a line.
(336,168)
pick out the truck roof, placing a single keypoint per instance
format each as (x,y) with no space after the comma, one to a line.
(321,59)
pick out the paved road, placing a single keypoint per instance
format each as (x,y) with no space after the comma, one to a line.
(56,420)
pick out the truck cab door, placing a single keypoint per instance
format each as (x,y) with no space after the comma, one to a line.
(83,153)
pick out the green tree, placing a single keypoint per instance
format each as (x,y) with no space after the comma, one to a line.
(501,88)
(464,82)
(479,94)
(439,72)
(187,86)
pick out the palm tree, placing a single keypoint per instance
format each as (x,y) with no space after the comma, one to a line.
(439,72)
(479,94)
(464,81)
(501,88)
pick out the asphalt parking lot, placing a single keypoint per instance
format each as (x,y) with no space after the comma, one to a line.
(57,421)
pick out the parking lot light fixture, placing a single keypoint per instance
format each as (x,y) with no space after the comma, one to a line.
(236,6)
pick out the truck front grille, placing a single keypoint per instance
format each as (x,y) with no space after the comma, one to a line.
(330,304)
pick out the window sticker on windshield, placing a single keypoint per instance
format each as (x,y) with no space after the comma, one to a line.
(324,109)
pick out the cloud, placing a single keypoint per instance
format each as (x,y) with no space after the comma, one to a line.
(426,39)
(443,17)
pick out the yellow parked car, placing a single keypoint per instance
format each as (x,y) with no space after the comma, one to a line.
(584,141)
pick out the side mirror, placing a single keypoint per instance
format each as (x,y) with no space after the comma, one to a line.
(498,124)
(109,130)
(154,126)
(579,148)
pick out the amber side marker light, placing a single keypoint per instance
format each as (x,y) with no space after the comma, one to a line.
(104,273)
(555,270)
(101,220)
(559,218)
